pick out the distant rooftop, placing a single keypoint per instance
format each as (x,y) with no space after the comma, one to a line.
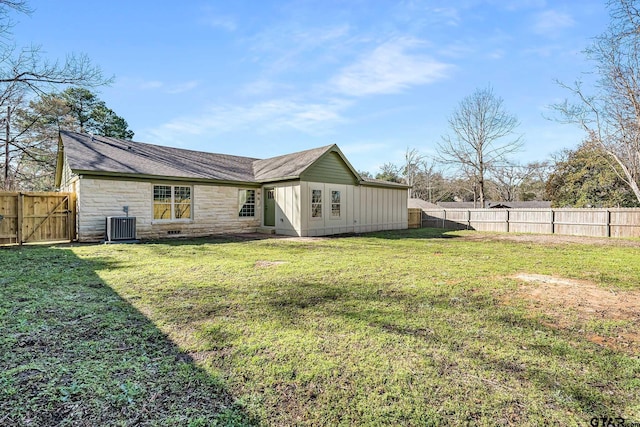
(534,204)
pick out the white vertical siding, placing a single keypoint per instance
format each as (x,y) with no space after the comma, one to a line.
(288,202)
(363,209)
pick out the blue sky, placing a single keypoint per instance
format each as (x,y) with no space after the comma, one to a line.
(261,78)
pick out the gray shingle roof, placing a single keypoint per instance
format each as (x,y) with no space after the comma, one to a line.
(421,204)
(533,204)
(102,155)
(87,153)
(383,183)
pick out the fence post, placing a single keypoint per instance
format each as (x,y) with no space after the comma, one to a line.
(468,220)
(72,208)
(608,223)
(553,221)
(444,217)
(20,218)
(507,220)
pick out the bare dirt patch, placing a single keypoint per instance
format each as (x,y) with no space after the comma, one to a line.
(583,306)
(551,239)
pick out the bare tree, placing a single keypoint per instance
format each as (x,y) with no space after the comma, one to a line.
(611,115)
(507,181)
(480,127)
(419,172)
(432,186)
(533,185)
(390,172)
(515,182)
(25,72)
(414,163)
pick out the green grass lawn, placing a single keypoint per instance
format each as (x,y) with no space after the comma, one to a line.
(417,327)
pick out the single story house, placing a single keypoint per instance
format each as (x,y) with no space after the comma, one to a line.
(176,192)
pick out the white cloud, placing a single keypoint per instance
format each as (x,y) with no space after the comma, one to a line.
(286,48)
(544,51)
(274,115)
(389,68)
(174,88)
(457,50)
(263,87)
(223,22)
(183,87)
(497,54)
(551,22)
(151,84)
(521,4)
(449,15)
(212,18)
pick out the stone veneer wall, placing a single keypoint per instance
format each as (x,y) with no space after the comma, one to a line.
(215,210)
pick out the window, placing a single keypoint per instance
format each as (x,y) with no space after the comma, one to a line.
(247,203)
(182,202)
(316,203)
(161,202)
(171,202)
(335,204)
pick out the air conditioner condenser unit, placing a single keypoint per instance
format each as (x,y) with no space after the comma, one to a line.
(120,229)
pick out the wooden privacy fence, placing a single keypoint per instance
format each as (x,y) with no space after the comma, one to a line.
(614,222)
(36,217)
(415,217)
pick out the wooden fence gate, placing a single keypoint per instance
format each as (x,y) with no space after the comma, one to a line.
(37,217)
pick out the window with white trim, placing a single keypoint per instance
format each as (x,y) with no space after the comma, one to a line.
(335,204)
(316,203)
(172,202)
(247,203)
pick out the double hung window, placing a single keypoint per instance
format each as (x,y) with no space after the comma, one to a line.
(316,203)
(172,202)
(247,203)
(335,204)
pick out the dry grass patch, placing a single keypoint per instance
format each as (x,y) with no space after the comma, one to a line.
(581,305)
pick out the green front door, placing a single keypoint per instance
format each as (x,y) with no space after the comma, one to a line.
(269,207)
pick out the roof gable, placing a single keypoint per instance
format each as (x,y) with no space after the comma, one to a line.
(326,162)
(331,167)
(288,166)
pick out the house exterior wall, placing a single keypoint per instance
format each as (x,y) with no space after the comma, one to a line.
(68,179)
(288,212)
(362,209)
(215,209)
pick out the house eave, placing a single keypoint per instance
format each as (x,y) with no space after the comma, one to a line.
(385,185)
(59,163)
(280,179)
(148,177)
